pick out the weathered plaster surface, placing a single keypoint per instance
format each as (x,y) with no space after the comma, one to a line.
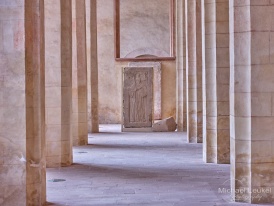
(144,24)
(110,71)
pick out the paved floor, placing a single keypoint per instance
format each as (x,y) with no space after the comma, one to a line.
(138,169)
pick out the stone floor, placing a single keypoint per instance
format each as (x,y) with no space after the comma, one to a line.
(138,169)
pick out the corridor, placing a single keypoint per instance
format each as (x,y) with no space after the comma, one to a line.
(144,169)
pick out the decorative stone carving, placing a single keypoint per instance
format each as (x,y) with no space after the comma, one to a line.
(157,83)
(137,97)
(165,125)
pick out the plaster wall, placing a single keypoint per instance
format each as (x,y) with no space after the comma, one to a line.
(12,103)
(110,76)
(22,108)
(148,23)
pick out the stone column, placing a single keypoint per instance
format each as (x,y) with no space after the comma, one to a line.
(184,70)
(191,70)
(216,82)
(88,45)
(209,84)
(180,65)
(222,81)
(74,120)
(58,39)
(94,67)
(199,71)
(22,103)
(251,100)
(35,102)
(79,83)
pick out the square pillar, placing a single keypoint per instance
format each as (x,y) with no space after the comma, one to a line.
(79,74)
(209,83)
(251,102)
(191,70)
(193,27)
(222,81)
(199,66)
(216,148)
(180,65)
(22,103)
(58,39)
(184,71)
(93,67)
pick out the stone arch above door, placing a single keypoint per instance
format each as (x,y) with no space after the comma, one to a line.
(146,52)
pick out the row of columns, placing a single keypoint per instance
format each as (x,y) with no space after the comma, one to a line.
(43,91)
(216,82)
(226,47)
(37,97)
(206,49)
(66,90)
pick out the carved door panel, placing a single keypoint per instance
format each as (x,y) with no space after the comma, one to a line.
(157,90)
(137,97)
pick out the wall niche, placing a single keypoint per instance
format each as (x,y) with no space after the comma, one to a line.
(144,30)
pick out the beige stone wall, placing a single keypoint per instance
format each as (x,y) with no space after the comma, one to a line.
(109,75)
(110,71)
(12,104)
